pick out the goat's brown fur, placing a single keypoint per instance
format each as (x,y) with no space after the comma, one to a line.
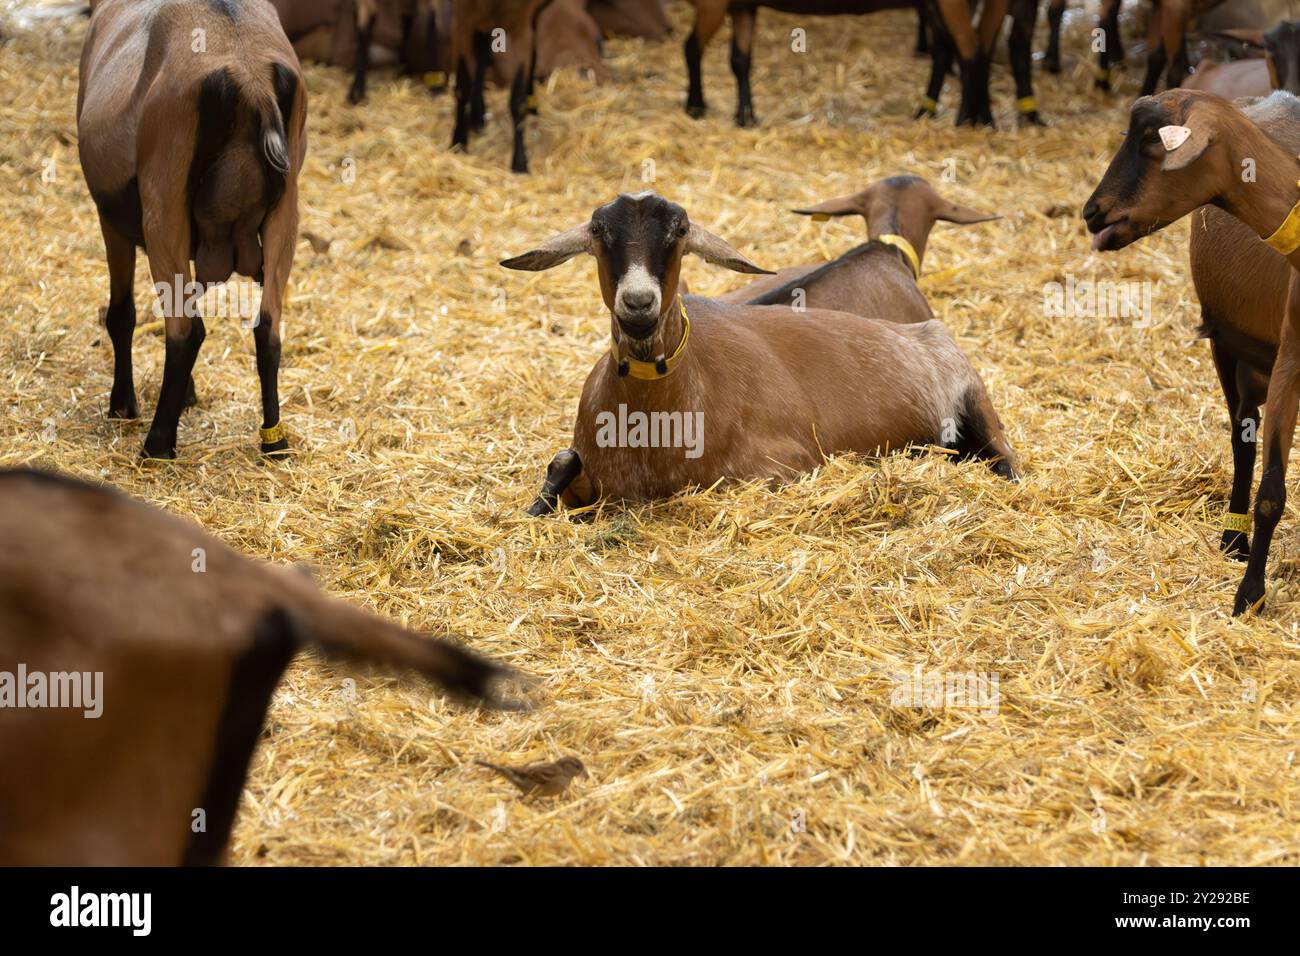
(191,639)
(646,19)
(1147,187)
(777,389)
(192,156)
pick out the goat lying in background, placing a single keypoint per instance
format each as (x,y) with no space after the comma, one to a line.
(190,640)
(1184,150)
(878,279)
(1278,70)
(646,19)
(778,389)
(192,156)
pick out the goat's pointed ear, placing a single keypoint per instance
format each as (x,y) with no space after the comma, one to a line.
(556,250)
(1184,145)
(842,206)
(965,215)
(710,248)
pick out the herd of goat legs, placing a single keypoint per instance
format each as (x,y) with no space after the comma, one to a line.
(196,160)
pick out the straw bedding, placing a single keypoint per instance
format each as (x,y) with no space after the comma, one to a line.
(721,662)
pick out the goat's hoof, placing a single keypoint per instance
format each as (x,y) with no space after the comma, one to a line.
(1235,545)
(696,110)
(1103,85)
(518,165)
(746,119)
(541,507)
(124,411)
(1054,67)
(1002,468)
(157,452)
(276,450)
(356,96)
(1250,597)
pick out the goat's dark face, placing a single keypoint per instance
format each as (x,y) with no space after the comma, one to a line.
(639,241)
(1282,46)
(1165,168)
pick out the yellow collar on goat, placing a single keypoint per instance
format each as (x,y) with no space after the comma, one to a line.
(661,367)
(1287,238)
(906,248)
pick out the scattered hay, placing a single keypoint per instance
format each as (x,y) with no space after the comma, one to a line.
(724,663)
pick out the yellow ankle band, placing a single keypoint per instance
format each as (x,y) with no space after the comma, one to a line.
(273,434)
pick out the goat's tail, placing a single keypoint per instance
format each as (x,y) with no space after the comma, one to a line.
(274,107)
(340,630)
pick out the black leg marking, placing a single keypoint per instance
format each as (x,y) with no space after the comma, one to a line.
(120,322)
(1243,414)
(741,63)
(268,372)
(1269,504)
(460,135)
(482,57)
(519,116)
(253,680)
(695,94)
(560,473)
(177,368)
(1156,60)
(358,91)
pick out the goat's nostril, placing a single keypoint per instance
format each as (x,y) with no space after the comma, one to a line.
(640,299)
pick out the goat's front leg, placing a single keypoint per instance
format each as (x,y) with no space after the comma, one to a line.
(560,474)
(119,320)
(1242,414)
(742,48)
(519,117)
(1055,13)
(478,102)
(464,80)
(1278,434)
(365,29)
(1112,50)
(709,15)
(941,57)
(1022,60)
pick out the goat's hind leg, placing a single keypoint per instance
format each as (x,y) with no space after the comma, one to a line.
(119,320)
(979,435)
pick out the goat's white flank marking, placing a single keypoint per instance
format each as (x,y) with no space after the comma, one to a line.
(1174,136)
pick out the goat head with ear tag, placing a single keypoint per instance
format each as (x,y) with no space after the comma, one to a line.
(1167,166)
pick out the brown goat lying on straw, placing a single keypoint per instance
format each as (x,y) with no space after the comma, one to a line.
(779,389)
(177,642)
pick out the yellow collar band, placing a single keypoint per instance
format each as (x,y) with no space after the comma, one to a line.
(906,248)
(660,367)
(1287,238)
